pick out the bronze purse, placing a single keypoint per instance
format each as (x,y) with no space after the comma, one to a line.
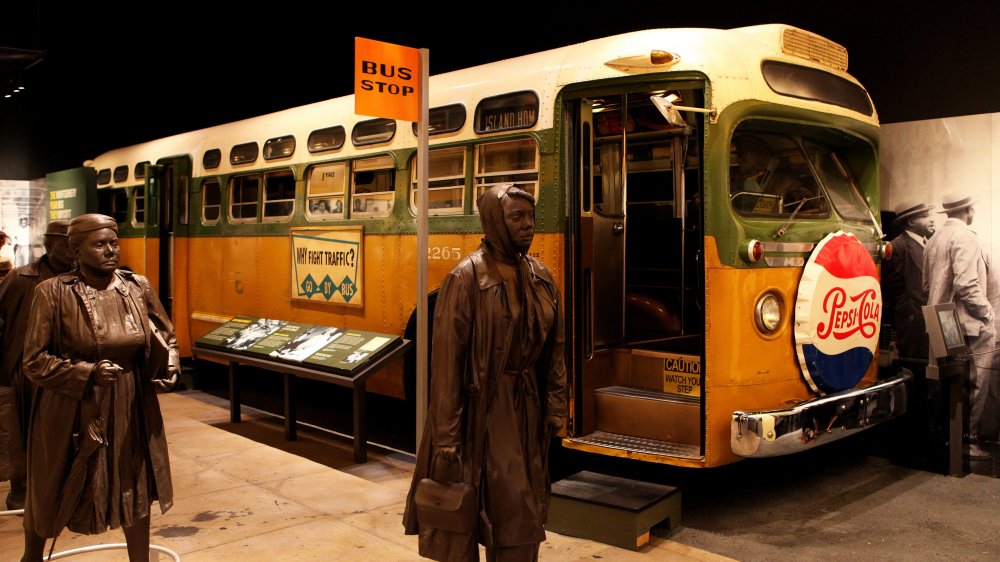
(449,506)
(159,353)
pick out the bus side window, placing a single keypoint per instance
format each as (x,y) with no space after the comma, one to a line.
(139,208)
(325,191)
(279,196)
(513,161)
(114,203)
(211,202)
(445,183)
(183,200)
(374,184)
(244,193)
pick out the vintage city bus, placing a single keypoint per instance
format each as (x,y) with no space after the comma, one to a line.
(706,199)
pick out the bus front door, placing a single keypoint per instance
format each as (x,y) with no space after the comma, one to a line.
(636,279)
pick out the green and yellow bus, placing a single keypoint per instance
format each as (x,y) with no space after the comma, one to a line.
(693,188)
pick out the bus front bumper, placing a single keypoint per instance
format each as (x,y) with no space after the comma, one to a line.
(822,420)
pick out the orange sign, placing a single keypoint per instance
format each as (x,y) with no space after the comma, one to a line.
(386,80)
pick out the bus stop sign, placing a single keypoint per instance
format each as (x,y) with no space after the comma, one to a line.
(386,80)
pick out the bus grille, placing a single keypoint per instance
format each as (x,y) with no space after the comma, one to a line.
(803,44)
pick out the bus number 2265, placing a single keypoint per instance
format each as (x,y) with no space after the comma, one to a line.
(444,253)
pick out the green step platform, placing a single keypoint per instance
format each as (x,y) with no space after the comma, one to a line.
(612,510)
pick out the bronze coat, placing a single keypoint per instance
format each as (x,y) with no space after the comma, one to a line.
(15,301)
(61,318)
(471,338)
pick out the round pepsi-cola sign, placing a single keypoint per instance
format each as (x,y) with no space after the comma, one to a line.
(838,314)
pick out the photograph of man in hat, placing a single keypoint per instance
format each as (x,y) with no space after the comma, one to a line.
(956,269)
(903,278)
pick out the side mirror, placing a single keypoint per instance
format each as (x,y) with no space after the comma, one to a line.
(665,105)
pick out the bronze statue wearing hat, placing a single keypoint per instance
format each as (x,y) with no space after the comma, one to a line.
(15,301)
(903,278)
(88,350)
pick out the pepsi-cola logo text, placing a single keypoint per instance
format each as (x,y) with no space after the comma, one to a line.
(847,316)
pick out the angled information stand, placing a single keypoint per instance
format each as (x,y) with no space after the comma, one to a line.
(324,353)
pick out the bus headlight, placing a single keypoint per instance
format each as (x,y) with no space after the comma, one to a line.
(767,313)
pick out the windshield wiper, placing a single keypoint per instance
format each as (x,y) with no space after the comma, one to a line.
(784,227)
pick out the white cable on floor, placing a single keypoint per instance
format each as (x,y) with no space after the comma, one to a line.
(115,546)
(97,547)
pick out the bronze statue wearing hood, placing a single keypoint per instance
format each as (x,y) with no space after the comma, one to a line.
(498,388)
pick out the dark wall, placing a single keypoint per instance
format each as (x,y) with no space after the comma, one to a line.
(114,78)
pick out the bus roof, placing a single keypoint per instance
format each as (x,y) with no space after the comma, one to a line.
(729,59)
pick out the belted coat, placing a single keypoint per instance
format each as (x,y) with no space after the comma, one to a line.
(60,352)
(472,334)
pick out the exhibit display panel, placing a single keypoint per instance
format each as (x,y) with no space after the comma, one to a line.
(328,348)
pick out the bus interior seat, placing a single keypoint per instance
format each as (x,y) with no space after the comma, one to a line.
(649,318)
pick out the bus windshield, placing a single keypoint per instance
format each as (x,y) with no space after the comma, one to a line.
(839,182)
(769,176)
(773,175)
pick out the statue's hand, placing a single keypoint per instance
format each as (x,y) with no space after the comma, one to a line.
(106,373)
(168,383)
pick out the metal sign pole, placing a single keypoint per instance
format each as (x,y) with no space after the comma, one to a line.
(422,166)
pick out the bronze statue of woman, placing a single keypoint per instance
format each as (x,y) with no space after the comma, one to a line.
(97,453)
(498,388)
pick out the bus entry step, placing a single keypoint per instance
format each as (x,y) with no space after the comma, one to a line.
(612,510)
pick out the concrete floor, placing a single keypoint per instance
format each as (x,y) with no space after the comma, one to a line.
(244,493)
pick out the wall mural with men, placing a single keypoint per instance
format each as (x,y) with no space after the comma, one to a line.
(938,186)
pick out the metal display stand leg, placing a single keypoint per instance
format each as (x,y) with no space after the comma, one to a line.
(291,415)
(234,394)
(360,424)
(952,376)
(956,416)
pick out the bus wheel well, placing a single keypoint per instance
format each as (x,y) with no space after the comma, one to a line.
(410,358)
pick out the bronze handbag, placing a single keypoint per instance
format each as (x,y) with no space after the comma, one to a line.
(159,353)
(449,506)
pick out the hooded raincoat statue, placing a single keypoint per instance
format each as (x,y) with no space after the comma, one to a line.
(498,387)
